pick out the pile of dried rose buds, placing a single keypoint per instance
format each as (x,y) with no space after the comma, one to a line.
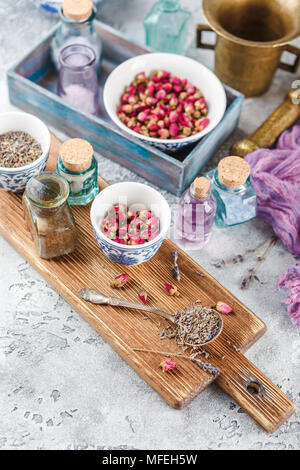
(163,106)
(127,227)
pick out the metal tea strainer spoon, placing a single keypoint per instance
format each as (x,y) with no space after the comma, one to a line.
(194,326)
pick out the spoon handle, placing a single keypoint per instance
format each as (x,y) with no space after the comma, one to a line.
(98,297)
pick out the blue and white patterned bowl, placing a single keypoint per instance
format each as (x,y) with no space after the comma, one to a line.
(15,179)
(178,65)
(137,196)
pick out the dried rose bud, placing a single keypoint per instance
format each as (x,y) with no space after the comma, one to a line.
(150,90)
(186,131)
(162,74)
(175,81)
(167,87)
(131,89)
(120,280)
(174,116)
(142,116)
(153,127)
(174,129)
(124,98)
(126,108)
(223,308)
(132,99)
(183,95)
(140,76)
(121,116)
(151,101)
(163,133)
(177,88)
(143,296)
(161,94)
(172,290)
(190,89)
(201,123)
(168,364)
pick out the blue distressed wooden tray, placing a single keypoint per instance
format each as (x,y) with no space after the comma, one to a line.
(32,87)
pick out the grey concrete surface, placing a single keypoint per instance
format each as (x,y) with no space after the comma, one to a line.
(61,385)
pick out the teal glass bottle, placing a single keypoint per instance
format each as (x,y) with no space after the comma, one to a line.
(166,27)
(77,164)
(232,189)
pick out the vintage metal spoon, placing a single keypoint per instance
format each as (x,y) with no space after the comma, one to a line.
(97,297)
(178,318)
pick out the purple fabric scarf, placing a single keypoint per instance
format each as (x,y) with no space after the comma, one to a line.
(275,176)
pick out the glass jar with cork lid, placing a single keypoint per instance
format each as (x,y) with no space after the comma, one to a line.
(76,27)
(232,189)
(77,164)
(196,213)
(48,215)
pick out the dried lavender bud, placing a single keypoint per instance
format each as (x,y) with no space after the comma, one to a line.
(194,326)
(175,268)
(17,148)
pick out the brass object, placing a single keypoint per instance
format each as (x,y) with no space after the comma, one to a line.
(265,136)
(251,37)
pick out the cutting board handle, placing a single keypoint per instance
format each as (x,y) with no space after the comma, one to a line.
(254,392)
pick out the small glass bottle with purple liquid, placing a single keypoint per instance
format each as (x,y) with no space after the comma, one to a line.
(195,217)
(77,82)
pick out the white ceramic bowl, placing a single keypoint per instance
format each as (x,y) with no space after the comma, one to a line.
(15,179)
(140,196)
(178,65)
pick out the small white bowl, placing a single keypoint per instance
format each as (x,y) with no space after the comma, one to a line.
(182,67)
(141,196)
(15,179)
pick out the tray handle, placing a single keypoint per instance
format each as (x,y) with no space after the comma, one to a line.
(254,392)
(291,67)
(199,30)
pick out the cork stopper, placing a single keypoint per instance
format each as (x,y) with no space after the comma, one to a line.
(233,171)
(76,154)
(77,10)
(201,187)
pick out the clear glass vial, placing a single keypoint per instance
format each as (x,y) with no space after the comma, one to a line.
(77,164)
(48,215)
(76,27)
(77,82)
(166,27)
(231,187)
(196,213)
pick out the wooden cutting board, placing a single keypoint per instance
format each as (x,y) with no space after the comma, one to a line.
(125,329)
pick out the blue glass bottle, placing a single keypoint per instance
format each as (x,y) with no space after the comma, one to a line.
(166,27)
(77,164)
(232,189)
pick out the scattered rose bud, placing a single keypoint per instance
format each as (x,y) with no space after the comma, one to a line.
(223,308)
(120,280)
(168,364)
(172,290)
(143,296)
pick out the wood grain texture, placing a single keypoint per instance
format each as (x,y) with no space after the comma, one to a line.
(125,329)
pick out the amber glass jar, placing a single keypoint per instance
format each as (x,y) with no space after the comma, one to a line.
(48,215)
